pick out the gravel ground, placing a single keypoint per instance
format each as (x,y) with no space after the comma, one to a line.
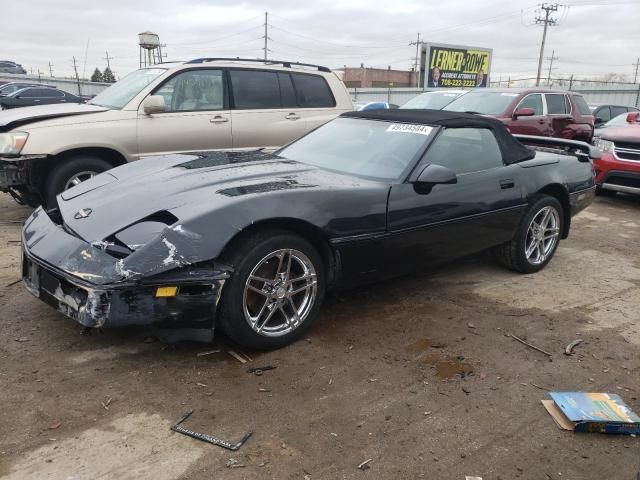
(417,374)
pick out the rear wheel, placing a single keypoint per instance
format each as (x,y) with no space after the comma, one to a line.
(536,239)
(275,292)
(70,173)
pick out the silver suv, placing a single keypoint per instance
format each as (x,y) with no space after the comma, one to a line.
(201,105)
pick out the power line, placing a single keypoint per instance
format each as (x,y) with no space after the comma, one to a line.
(108,59)
(551,59)
(75,69)
(417,61)
(266,35)
(547,20)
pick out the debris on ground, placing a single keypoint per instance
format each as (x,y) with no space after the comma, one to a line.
(538,349)
(233,463)
(55,426)
(21,339)
(467,477)
(569,348)
(471,325)
(238,357)
(177,427)
(208,352)
(13,283)
(260,370)
(592,412)
(106,404)
(365,465)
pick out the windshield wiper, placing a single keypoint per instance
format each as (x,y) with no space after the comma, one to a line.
(471,111)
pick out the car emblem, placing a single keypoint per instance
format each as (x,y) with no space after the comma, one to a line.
(84,213)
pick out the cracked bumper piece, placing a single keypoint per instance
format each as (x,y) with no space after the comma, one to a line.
(107,302)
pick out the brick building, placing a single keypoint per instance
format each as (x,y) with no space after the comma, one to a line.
(361,77)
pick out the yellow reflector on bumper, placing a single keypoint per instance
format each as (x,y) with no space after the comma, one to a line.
(167,291)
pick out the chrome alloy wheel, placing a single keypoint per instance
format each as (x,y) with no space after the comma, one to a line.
(542,235)
(279,293)
(78,178)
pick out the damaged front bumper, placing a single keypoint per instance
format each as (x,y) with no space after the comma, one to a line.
(82,282)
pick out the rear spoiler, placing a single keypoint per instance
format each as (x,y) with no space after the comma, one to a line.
(582,150)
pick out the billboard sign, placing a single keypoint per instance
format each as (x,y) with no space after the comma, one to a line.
(455,66)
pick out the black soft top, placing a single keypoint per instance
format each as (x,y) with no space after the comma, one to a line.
(512,150)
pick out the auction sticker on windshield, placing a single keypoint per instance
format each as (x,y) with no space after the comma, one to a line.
(409,128)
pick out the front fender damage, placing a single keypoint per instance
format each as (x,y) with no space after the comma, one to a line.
(97,289)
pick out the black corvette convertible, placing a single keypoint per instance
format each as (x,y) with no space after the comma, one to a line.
(250,241)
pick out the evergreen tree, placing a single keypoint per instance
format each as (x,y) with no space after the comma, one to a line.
(97,76)
(108,76)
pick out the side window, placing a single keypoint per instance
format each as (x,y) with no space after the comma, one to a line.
(532,101)
(312,91)
(465,150)
(615,111)
(49,93)
(30,93)
(193,90)
(287,92)
(604,113)
(255,89)
(583,108)
(556,104)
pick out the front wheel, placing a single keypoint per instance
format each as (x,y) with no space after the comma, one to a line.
(275,292)
(536,239)
(70,173)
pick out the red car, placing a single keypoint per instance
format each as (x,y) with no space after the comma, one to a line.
(618,170)
(546,113)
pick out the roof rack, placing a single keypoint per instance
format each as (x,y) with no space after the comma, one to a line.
(279,62)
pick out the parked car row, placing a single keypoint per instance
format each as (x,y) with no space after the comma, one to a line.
(25,95)
(7,66)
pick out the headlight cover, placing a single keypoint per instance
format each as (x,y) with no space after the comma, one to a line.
(604,145)
(12,143)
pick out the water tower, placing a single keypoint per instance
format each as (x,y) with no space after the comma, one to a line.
(150,49)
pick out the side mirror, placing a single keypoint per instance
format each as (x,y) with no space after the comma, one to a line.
(434,175)
(154,104)
(598,121)
(524,112)
(632,117)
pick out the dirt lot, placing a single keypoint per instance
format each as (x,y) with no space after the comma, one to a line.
(416,374)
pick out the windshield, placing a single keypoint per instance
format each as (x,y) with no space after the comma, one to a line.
(483,102)
(432,100)
(121,93)
(369,148)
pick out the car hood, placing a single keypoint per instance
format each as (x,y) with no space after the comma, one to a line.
(626,133)
(183,209)
(15,117)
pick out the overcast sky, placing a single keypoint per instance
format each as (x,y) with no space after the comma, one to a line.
(593,37)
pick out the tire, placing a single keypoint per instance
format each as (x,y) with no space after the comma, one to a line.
(257,255)
(602,192)
(513,254)
(60,177)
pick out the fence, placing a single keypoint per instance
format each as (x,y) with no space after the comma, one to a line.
(67,84)
(596,93)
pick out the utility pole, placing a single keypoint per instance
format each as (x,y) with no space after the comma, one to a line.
(75,69)
(108,59)
(50,70)
(635,77)
(39,76)
(547,20)
(551,59)
(417,62)
(266,35)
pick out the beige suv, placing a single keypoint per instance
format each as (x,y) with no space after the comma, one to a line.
(201,105)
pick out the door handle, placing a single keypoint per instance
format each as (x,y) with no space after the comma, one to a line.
(507,183)
(218,119)
(292,116)
(541,121)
